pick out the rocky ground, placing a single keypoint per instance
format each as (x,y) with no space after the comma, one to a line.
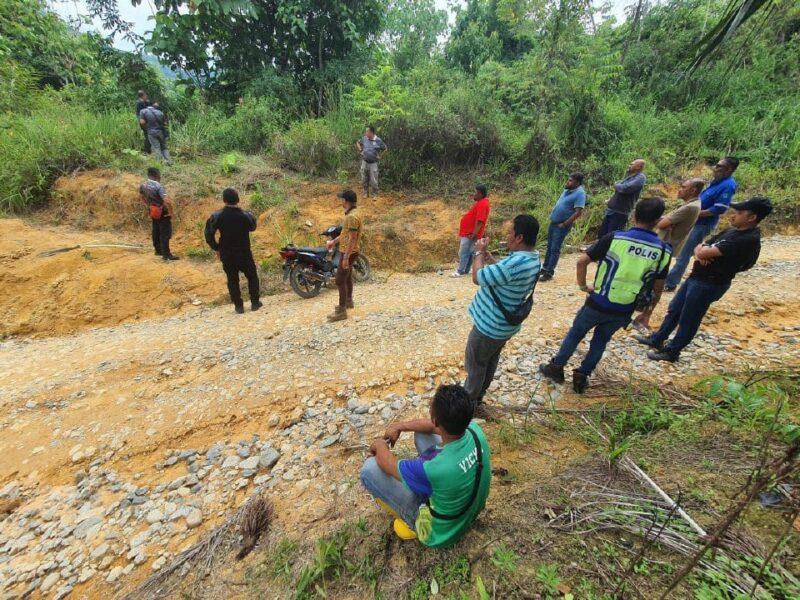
(121,446)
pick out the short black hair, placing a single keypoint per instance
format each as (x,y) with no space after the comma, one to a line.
(528,227)
(482,189)
(649,210)
(230,196)
(577,177)
(141,93)
(452,408)
(370,128)
(153,172)
(732,161)
(348,196)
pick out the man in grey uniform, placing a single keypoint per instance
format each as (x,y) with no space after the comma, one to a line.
(152,119)
(371,147)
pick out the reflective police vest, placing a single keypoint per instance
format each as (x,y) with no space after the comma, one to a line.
(631,256)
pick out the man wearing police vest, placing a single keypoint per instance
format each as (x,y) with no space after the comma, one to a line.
(629,263)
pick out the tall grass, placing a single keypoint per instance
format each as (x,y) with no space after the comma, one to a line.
(36,149)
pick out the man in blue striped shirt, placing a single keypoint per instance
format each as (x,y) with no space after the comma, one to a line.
(512,280)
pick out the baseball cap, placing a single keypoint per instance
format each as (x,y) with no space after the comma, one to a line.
(348,195)
(758,205)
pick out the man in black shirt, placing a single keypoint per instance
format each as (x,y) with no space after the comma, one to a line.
(717,262)
(233,248)
(141,104)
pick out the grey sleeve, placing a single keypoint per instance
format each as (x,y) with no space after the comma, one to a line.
(635,184)
(381,145)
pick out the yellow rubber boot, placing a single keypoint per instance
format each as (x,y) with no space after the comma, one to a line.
(386,508)
(403,531)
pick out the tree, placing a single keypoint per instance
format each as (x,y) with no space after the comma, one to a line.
(412,31)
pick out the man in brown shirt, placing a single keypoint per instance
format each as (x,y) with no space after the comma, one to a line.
(349,241)
(674,228)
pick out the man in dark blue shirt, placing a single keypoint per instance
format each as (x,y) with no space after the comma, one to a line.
(714,201)
(717,262)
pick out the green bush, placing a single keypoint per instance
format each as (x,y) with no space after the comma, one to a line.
(230,163)
(54,140)
(311,147)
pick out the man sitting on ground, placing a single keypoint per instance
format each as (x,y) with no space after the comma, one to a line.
(509,281)
(674,228)
(716,263)
(437,495)
(627,259)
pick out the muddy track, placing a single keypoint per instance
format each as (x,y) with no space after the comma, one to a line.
(120,399)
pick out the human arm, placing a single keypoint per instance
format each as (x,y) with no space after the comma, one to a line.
(630,185)
(359,146)
(482,257)
(394,430)
(384,457)
(594,253)
(664,223)
(706,253)
(474,234)
(572,218)
(251,220)
(210,232)
(722,201)
(354,235)
(142,122)
(580,273)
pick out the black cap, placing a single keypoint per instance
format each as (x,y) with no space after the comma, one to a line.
(348,195)
(758,205)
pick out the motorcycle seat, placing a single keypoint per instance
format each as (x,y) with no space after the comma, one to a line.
(317,250)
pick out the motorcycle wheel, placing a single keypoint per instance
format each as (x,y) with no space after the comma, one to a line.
(361,269)
(303,286)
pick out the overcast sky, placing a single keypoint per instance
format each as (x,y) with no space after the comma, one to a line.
(140,15)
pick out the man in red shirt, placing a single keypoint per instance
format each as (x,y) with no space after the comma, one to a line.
(473,227)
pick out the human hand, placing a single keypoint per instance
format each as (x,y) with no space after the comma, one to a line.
(330,244)
(561,225)
(345,264)
(392,434)
(481,244)
(219,256)
(376,445)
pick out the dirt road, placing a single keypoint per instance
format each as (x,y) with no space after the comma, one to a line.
(121,444)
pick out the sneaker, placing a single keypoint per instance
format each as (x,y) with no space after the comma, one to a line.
(456,274)
(545,276)
(239,309)
(646,340)
(338,314)
(552,371)
(349,304)
(256,305)
(403,531)
(171,257)
(579,382)
(662,355)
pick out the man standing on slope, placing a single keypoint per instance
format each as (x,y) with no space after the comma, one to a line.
(233,249)
(161,211)
(626,193)
(141,103)
(510,282)
(349,242)
(627,260)
(716,263)
(152,119)
(371,148)
(714,201)
(567,210)
(673,228)
(471,229)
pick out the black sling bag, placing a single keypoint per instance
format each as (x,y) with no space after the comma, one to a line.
(522,311)
(475,487)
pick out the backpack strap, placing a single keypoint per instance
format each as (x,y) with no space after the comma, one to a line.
(476,486)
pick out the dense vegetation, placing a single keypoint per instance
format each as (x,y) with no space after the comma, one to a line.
(517,91)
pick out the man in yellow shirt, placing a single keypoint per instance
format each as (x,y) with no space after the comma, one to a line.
(348,242)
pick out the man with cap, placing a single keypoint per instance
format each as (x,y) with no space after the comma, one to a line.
(233,248)
(717,261)
(348,241)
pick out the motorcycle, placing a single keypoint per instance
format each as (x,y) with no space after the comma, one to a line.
(309,268)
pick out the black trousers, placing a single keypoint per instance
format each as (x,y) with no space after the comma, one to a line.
(612,222)
(233,264)
(162,232)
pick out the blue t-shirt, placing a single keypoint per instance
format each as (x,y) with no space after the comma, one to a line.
(566,204)
(512,279)
(717,198)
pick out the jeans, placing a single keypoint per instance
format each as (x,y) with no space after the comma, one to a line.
(612,221)
(480,361)
(686,312)
(555,239)
(369,176)
(605,324)
(244,263)
(394,492)
(465,249)
(698,233)
(344,281)
(162,232)
(158,144)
